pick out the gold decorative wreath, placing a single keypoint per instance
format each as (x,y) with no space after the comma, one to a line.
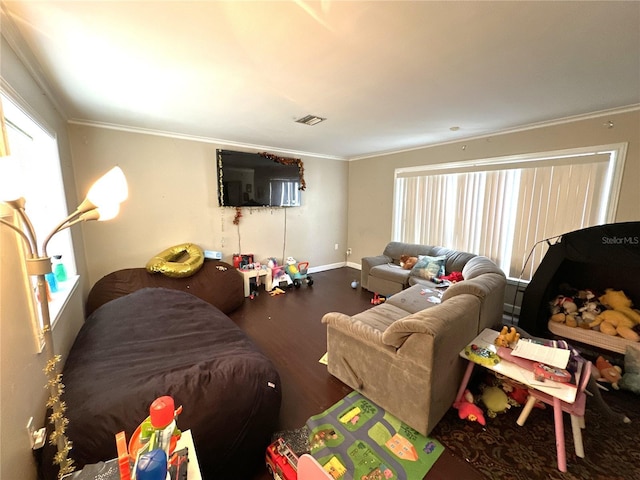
(178,261)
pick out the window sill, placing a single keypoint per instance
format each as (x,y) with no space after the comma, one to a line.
(60,299)
(58,303)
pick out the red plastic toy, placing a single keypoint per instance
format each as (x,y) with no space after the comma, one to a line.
(282,463)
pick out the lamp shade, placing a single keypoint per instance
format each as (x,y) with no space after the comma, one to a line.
(11,179)
(108,212)
(110,189)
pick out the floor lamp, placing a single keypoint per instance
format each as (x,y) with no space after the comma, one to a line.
(102,203)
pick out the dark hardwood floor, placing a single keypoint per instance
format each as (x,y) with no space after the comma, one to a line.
(288,330)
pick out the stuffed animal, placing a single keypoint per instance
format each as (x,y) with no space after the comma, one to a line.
(564,310)
(507,337)
(608,372)
(453,277)
(620,319)
(407,262)
(496,401)
(469,410)
(631,378)
(589,308)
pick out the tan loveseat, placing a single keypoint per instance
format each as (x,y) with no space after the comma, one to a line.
(403,354)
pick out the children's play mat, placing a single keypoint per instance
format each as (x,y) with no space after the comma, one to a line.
(356,439)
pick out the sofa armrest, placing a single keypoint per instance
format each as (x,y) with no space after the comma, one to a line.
(458,317)
(368,263)
(489,289)
(353,328)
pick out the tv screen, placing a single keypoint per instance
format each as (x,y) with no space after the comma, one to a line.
(252,180)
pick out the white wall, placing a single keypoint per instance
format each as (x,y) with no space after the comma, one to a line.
(22,380)
(371,180)
(173,199)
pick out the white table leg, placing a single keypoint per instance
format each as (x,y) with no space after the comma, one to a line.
(576,427)
(526,410)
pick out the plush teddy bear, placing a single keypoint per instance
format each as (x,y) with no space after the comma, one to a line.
(620,319)
(608,372)
(407,262)
(507,337)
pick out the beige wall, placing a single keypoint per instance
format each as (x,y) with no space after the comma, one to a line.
(371,179)
(173,199)
(22,380)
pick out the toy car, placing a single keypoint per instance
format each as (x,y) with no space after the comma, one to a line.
(298,274)
(282,463)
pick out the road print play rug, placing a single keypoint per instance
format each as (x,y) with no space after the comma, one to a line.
(356,439)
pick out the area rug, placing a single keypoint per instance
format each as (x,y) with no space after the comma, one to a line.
(356,439)
(502,450)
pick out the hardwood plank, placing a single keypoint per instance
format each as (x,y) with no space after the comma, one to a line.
(288,330)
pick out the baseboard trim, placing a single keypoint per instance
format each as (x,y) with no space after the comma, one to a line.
(332,266)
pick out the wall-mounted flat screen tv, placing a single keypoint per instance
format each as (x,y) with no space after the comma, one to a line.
(252,180)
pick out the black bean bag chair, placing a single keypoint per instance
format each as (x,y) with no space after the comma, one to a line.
(156,342)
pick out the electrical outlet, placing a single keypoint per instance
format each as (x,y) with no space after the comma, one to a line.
(348,252)
(336,246)
(36,437)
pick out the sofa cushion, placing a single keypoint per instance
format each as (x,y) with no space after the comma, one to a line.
(429,267)
(391,272)
(380,317)
(415,298)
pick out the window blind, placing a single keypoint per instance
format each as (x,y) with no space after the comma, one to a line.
(503,208)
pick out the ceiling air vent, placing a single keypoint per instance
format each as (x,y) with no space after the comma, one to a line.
(310,120)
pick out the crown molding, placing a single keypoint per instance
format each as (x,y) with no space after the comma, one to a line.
(195,138)
(506,131)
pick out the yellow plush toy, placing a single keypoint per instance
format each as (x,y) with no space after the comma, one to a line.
(507,337)
(620,319)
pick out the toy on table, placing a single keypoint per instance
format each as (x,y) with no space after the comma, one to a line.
(469,410)
(542,372)
(157,432)
(481,355)
(507,337)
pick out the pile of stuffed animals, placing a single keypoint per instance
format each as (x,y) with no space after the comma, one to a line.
(610,313)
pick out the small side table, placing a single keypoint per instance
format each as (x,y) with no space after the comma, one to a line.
(564,392)
(193,470)
(256,273)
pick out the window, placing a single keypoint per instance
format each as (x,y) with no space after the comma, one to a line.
(285,193)
(34,173)
(503,207)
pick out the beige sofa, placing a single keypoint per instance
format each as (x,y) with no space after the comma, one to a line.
(382,274)
(404,354)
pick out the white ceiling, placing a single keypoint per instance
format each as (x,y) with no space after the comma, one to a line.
(387,76)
